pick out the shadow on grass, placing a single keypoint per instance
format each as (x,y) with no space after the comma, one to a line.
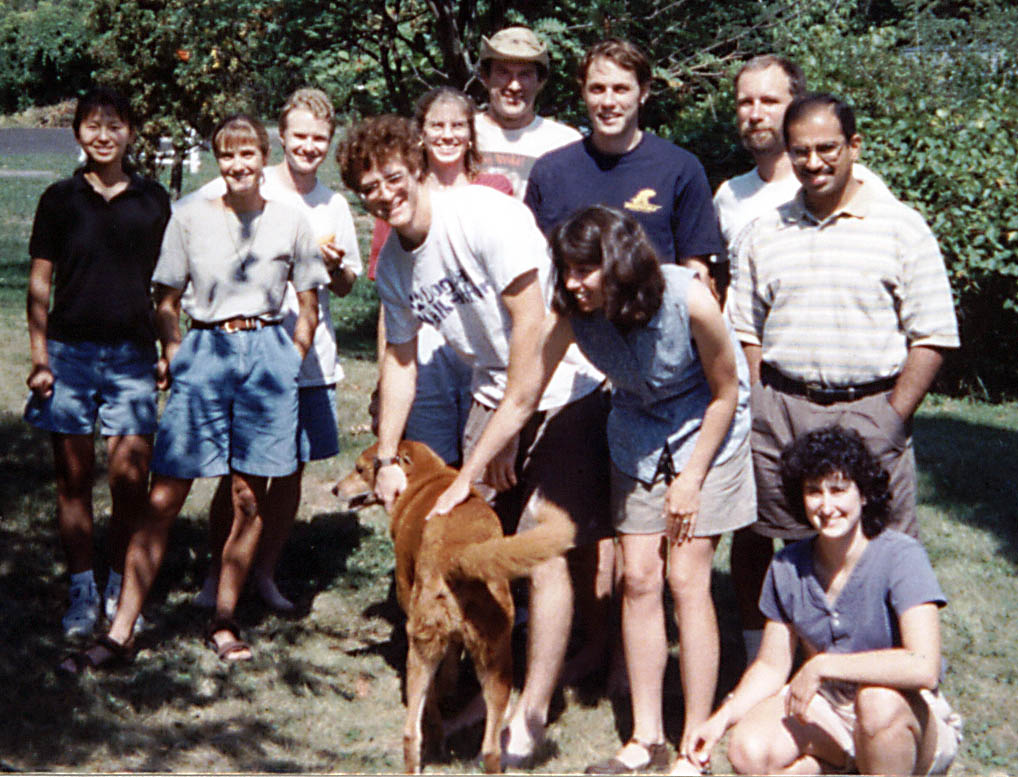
(26,461)
(49,718)
(971,467)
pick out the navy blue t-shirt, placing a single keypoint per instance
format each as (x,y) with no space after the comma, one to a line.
(663,186)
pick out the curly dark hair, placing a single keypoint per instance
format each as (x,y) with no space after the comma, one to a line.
(830,450)
(633,283)
(374,142)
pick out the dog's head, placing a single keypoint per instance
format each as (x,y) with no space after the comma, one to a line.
(358,488)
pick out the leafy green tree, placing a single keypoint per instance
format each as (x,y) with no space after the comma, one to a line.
(184,64)
(43,53)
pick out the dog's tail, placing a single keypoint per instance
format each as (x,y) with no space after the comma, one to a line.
(514,556)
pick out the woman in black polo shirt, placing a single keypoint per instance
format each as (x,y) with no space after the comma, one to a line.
(94,244)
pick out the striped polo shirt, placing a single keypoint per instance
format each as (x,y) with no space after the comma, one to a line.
(840,301)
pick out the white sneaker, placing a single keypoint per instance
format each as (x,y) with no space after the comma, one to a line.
(83,614)
(111,600)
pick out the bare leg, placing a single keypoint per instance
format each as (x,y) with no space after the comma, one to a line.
(239,551)
(765,741)
(146,550)
(74,463)
(282,502)
(644,640)
(220,521)
(888,733)
(689,571)
(129,457)
(592,569)
(551,606)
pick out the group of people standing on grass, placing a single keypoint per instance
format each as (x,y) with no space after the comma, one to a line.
(251,259)
(579,352)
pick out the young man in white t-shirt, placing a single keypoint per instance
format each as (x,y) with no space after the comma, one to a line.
(306,126)
(475,266)
(510,135)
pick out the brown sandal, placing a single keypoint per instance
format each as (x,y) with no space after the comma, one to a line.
(104,653)
(230,647)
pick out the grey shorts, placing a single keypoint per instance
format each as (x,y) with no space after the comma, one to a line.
(727,499)
(779,418)
(563,459)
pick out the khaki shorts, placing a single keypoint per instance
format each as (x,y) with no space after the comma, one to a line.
(837,718)
(779,418)
(727,499)
(563,459)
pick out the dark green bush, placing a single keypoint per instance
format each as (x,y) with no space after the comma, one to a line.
(43,55)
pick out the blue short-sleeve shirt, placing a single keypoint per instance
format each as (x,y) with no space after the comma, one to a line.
(659,390)
(892,576)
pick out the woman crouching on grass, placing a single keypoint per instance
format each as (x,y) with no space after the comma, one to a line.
(232,407)
(678,437)
(863,603)
(94,242)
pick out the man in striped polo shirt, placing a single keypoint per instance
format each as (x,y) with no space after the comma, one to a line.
(843,306)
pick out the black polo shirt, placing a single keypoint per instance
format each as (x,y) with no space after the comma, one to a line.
(103,254)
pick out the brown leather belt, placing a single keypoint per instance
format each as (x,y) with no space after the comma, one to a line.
(235,324)
(820,394)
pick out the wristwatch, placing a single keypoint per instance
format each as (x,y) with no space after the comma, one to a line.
(384,461)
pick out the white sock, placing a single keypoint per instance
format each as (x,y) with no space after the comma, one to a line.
(82,578)
(752,638)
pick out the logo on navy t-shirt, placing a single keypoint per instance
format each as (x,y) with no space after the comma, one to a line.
(641,202)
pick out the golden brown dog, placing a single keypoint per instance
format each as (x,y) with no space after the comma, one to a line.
(452,581)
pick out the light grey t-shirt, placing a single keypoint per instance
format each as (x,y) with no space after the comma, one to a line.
(478,243)
(237,265)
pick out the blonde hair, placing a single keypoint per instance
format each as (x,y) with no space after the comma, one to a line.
(314,101)
(238,129)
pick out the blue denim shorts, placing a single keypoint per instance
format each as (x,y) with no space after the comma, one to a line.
(317,432)
(232,406)
(442,400)
(113,383)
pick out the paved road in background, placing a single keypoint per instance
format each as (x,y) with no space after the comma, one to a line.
(37,141)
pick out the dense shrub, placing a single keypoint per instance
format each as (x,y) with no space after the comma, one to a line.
(938,113)
(43,54)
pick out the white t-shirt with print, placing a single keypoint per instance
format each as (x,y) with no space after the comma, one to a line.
(329,216)
(512,152)
(478,243)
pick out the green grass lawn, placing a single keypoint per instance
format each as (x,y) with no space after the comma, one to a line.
(324,691)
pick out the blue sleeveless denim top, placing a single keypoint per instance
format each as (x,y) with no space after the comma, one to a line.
(659,389)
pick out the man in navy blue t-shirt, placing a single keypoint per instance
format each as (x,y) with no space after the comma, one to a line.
(663,186)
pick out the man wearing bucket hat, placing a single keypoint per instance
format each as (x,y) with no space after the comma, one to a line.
(511,136)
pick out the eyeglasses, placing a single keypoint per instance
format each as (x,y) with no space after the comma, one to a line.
(374,189)
(828,152)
